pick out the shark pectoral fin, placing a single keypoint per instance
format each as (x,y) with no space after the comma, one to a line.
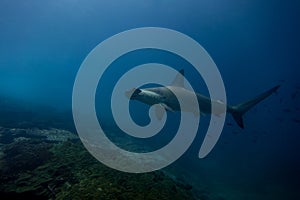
(167,107)
(159,111)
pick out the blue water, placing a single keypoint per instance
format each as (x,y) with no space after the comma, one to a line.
(254,43)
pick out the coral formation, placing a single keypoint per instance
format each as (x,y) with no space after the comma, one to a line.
(39,168)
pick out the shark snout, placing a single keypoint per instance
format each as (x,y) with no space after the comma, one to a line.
(128,93)
(133,93)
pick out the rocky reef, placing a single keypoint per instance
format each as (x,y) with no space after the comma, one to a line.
(8,135)
(53,164)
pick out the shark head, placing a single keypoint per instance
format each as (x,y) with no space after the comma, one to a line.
(133,93)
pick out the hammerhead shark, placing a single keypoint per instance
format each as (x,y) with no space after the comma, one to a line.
(164,97)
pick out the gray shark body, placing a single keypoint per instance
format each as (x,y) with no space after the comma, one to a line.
(164,97)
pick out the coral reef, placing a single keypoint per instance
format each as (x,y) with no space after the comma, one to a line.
(40,168)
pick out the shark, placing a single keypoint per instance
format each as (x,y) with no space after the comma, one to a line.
(166,99)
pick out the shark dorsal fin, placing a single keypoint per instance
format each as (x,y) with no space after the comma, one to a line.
(179,79)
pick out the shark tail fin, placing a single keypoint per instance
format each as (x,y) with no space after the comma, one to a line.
(239,110)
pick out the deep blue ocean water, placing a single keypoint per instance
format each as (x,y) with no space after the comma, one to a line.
(255,45)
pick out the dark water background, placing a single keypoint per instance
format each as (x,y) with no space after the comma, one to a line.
(254,43)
